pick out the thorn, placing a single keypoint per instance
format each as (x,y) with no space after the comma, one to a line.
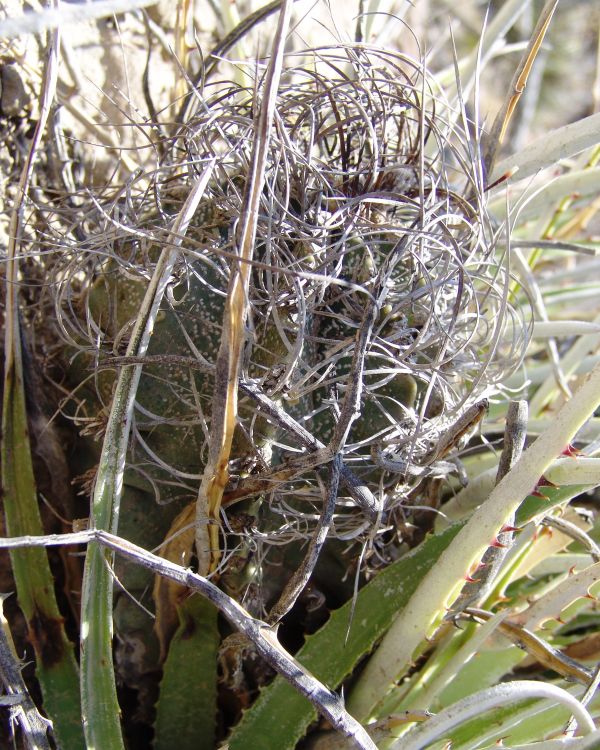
(496,543)
(571,570)
(535,493)
(543,482)
(506,176)
(469,579)
(571,451)
(510,529)
(590,596)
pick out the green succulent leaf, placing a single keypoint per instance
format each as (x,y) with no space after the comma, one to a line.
(187,706)
(333,652)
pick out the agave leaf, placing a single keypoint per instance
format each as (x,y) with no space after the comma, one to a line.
(569,471)
(56,668)
(526,723)
(569,362)
(450,658)
(531,203)
(557,564)
(438,590)
(441,725)
(486,669)
(551,328)
(333,652)
(554,146)
(541,544)
(561,743)
(577,585)
(187,705)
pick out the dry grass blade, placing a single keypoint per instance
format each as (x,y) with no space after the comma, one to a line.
(517,86)
(538,648)
(224,410)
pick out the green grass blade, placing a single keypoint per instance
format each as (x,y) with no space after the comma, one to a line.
(98,690)
(330,656)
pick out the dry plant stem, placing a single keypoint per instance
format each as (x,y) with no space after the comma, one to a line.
(577,534)
(224,409)
(327,703)
(295,586)
(432,466)
(440,587)
(33,726)
(98,691)
(547,655)
(517,86)
(515,434)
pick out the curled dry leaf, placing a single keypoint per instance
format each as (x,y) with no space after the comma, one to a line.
(178,548)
